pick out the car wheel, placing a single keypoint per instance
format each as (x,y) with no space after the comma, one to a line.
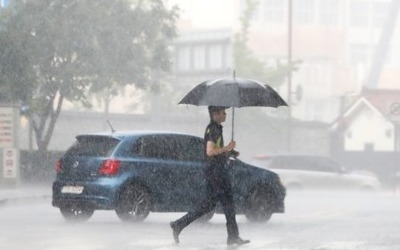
(76,213)
(134,204)
(260,205)
(208,216)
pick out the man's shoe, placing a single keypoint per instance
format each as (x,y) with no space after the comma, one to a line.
(237,241)
(175,232)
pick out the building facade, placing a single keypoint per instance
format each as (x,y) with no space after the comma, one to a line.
(201,55)
(336,40)
(4,3)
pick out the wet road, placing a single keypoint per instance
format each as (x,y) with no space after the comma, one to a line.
(313,221)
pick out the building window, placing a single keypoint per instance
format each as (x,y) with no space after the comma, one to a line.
(379,13)
(273,11)
(216,56)
(359,13)
(199,57)
(183,62)
(304,11)
(329,12)
(393,56)
(358,53)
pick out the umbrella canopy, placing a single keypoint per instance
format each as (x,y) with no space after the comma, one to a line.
(233,92)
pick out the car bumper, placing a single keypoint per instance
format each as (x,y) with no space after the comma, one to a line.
(101,194)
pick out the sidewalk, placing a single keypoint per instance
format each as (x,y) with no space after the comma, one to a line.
(24,192)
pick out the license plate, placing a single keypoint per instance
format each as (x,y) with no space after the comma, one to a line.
(72,189)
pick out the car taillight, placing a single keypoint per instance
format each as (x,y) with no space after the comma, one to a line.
(110,167)
(58,166)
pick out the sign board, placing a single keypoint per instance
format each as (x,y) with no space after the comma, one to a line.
(394,112)
(9,151)
(394,109)
(7,124)
(10,162)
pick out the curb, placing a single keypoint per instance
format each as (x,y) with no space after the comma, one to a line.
(20,200)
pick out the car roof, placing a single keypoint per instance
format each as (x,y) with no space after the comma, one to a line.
(134,133)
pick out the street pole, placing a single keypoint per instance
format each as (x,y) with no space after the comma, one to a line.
(30,134)
(396,157)
(394,110)
(289,91)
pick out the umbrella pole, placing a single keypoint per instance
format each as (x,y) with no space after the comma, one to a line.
(233,121)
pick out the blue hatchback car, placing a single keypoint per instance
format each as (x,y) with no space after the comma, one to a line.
(135,173)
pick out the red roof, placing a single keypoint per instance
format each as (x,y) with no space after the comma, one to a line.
(381,98)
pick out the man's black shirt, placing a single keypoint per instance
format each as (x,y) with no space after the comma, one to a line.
(214,133)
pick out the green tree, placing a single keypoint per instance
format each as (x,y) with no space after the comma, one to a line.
(246,63)
(69,49)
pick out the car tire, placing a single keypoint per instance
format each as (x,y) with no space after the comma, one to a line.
(76,213)
(134,204)
(259,205)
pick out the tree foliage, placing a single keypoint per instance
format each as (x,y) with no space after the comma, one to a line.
(56,50)
(247,64)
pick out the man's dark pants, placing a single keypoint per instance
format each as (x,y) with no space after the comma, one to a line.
(218,190)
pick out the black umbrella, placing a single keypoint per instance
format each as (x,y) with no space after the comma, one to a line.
(233,92)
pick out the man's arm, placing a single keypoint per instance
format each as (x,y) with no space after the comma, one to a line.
(213,150)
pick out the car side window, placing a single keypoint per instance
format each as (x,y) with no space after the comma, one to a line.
(329,165)
(147,147)
(136,149)
(319,164)
(193,150)
(159,146)
(176,148)
(185,148)
(307,164)
(169,147)
(281,162)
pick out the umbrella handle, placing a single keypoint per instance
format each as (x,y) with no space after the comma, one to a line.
(233,122)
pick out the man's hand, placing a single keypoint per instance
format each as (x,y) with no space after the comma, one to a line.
(212,150)
(234,153)
(231,146)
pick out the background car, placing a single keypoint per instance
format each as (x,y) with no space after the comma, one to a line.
(316,172)
(135,173)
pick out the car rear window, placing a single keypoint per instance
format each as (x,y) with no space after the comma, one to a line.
(95,146)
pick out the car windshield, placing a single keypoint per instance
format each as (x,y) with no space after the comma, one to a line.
(95,146)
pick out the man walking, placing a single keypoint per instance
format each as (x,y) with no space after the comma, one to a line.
(218,183)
